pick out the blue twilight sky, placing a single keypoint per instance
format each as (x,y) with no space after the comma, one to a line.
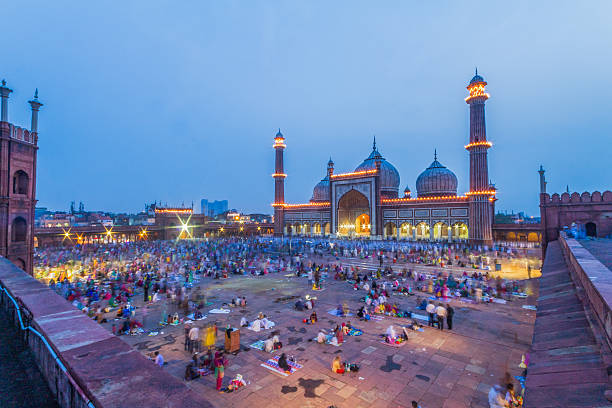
(180,100)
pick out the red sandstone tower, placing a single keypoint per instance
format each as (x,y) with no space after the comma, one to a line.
(18,151)
(279,184)
(482,195)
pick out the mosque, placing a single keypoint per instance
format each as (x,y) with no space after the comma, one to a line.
(366,202)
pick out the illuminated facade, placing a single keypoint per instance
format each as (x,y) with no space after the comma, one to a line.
(366,202)
(19,148)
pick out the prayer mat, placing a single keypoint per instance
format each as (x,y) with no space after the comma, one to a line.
(529,307)
(259,345)
(519,295)
(334,312)
(403,343)
(420,317)
(272,365)
(500,301)
(190,317)
(376,317)
(204,371)
(355,332)
(219,311)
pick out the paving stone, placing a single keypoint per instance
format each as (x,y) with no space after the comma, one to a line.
(369,350)
(346,391)
(475,369)
(369,396)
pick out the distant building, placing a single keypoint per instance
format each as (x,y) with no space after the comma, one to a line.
(213,208)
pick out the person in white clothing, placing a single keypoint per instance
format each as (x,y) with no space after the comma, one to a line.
(431,310)
(440,315)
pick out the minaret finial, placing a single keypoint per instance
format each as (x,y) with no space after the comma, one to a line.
(476,70)
(567,188)
(36,94)
(435,154)
(4,82)
(374,144)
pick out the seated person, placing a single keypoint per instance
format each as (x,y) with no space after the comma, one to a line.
(268,345)
(276,342)
(313,317)
(390,334)
(282,363)
(299,306)
(337,366)
(244,322)
(266,323)
(191,372)
(256,325)
(321,338)
(308,305)
(243,302)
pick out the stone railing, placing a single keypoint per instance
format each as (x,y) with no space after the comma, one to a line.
(85,365)
(595,279)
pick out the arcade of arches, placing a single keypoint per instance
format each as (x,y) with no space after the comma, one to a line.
(440,231)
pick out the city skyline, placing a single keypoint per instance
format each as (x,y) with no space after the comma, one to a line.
(121,127)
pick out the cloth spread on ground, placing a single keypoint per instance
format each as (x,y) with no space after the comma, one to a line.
(355,332)
(190,317)
(335,312)
(219,311)
(259,345)
(272,365)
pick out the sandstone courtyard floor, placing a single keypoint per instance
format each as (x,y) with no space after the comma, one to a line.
(436,368)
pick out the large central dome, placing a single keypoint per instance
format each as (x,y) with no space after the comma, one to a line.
(436,181)
(389,176)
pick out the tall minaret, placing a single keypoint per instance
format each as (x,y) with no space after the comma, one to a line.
(481,195)
(542,180)
(279,184)
(4,94)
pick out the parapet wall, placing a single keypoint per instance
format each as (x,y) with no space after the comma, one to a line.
(84,364)
(574,198)
(595,279)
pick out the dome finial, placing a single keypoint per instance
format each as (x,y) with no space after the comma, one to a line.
(374,144)
(36,94)
(476,70)
(435,154)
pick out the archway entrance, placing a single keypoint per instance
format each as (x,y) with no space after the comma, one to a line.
(591,229)
(354,214)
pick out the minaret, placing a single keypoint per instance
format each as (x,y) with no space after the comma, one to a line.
(330,168)
(279,184)
(481,196)
(35,104)
(542,180)
(4,94)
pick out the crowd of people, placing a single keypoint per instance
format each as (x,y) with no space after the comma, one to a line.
(103,280)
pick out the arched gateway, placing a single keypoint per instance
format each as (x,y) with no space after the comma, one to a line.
(354,214)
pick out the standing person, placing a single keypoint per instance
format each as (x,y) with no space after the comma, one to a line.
(187,341)
(194,339)
(415,404)
(146,289)
(441,315)
(450,312)
(430,309)
(219,363)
